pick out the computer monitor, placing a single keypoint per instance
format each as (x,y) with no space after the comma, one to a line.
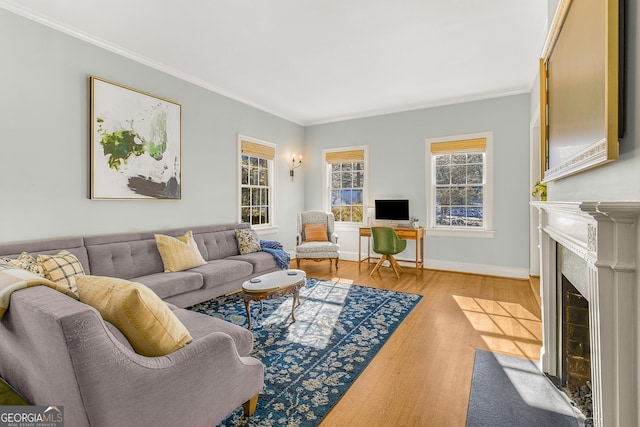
(392,210)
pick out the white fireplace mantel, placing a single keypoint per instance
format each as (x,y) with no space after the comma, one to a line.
(605,235)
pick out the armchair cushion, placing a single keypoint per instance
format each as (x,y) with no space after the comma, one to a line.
(149,325)
(315,233)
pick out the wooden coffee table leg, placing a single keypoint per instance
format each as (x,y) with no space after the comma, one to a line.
(246,306)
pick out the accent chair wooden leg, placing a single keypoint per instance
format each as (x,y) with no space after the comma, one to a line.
(337,264)
(298,263)
(396,267)
(250,406)
(378,265)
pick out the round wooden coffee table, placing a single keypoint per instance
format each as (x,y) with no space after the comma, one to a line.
(273,285)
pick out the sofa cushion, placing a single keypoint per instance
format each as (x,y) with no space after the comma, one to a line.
(200,325)
(248,241)
(261,261)
(149,325)
(170,284)
(61,268)
(221,271)
(179,253)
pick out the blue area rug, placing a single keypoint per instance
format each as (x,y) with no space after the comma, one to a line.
(508,391)
(310,364)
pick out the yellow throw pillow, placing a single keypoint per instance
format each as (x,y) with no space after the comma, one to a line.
(315,232)
(150,326)
(62,268)
(179,253)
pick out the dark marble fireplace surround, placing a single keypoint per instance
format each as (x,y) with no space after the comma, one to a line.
(599,241)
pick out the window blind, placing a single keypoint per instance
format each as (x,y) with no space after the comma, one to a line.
(477,145)
(345,156)
(254,149)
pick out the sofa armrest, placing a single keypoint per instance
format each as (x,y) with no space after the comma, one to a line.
(197,385)
(334,237)
(298,239)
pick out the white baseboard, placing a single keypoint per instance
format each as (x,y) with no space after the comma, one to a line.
(461,267)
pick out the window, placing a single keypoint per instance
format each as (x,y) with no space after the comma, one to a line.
(459,183)
(256,181)
(346,184)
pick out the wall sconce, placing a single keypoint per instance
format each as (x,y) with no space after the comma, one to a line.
(294,165)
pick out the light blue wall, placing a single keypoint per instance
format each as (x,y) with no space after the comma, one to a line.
(397,156)
(44,105)
(619,180)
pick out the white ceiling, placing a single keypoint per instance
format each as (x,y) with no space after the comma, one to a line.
(316,61)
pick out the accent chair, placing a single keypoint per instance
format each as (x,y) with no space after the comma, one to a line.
(315,239)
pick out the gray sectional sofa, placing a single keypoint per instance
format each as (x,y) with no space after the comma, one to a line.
(55,350)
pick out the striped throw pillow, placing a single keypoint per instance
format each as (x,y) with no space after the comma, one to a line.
(179,253)
(150,326)
(315,232)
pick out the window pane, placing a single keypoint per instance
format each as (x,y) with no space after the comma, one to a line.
(475,158)
(335,197)
(347,167)
(253,176)
(335,180)
(346,180)
(336,212)
(266,215)
(458,196)
(358,181)
(442,216)
(458,216)
(335,167)
(255,215)
(357,197)
(443,175)
(357,213)
(245,175)
(474,196)
(359,166)
(246,197)
(443,196)
(474,217)
(264,196)
(255,196)
(474,174)
(459,159)
(246,214)
(264,177)
(253,161)
(459,174)
(244,160)
(444,159)
(262,163)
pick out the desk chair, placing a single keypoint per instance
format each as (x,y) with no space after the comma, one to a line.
(387,243)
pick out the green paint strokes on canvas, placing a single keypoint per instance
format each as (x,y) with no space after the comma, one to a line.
(121,144)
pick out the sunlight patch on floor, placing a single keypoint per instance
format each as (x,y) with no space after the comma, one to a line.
(506,327)
(317,315)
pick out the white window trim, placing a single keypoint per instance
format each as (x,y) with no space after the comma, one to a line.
(326,203)
(261,229)
(487,231)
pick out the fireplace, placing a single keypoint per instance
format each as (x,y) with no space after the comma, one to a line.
(594,247)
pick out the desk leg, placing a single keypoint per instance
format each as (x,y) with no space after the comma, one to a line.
(417,259)
(359,256)
(422,253)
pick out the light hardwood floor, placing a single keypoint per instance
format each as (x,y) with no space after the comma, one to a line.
(422,375)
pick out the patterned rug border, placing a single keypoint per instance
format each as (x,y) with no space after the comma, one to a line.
(367,318)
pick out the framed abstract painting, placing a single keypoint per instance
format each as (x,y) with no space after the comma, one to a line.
(136,144)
